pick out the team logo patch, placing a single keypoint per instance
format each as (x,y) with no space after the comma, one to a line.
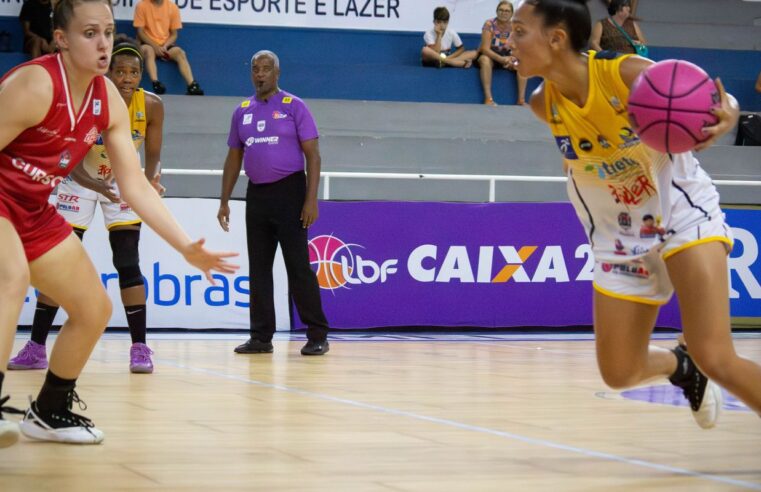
(96,107)
(287,100)
(247,118)
(566,147)
(261,125)
(64,160)
(245,104)
(628,137)
(277,115)
(92,136)
(139,115)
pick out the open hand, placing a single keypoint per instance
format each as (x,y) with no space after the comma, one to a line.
(208,261)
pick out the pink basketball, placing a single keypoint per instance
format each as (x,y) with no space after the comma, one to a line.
(670,103)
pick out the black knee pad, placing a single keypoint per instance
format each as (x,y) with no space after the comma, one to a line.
(126,257)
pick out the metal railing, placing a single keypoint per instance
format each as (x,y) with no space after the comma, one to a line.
(491,179)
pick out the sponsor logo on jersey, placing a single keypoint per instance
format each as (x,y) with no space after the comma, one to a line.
(277,115)
(267,140)
(287,100)
(603,143)
(247,118)
(625,220)
(261,125)
(245,104)
(96,107)
(585,145)
(626,269)
(607,170)
(566,147)
(35,173)
(47,131)
(249,141)
(628,137)
(92,136)
(67,207)
(616,104)
(67,198)
(139,115)
(64,160)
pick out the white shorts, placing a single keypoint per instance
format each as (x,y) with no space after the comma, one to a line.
(77,205)
(646,279)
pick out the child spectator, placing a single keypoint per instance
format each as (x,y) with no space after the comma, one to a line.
(157,23)
(439,42)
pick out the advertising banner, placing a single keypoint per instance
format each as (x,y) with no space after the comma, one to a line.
(384,264)
(467,16)
(480,265)
(178,295)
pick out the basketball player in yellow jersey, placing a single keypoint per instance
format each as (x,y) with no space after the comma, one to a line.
(93,184)
(653,219)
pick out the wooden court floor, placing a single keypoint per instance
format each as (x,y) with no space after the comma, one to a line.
(417,413)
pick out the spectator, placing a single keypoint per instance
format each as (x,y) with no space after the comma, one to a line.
(758,82)
(494,52)
(608,33)
(38,28)
(439,41)
(157,23)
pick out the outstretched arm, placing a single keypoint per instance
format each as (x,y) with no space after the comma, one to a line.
(140,195)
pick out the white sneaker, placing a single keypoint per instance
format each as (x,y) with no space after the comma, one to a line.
(707,413)
(8,433)
(66,427)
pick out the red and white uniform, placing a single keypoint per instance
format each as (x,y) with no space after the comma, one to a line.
(42,156)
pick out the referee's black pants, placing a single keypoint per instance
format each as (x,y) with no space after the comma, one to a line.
(273,213)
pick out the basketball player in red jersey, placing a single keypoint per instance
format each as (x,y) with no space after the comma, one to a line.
(53,109)
(613,175)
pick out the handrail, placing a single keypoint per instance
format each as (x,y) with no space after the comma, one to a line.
(492,179)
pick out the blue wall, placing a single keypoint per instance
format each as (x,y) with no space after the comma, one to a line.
(370,65)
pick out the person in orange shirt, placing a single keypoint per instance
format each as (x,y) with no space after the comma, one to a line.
(157,23)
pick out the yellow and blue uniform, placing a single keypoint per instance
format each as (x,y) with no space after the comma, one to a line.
(77,204)
(638,206)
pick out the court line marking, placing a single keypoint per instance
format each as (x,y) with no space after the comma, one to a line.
(473,428)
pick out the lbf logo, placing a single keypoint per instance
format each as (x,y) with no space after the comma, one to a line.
(337,265)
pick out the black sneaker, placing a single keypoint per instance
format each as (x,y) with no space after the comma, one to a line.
(158,87)
(253,346)
(194,89)
(60,426)
(313,347)
(9,431)
(704,395)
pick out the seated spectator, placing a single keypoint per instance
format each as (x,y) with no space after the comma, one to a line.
(439,41)
(494,52)
(157,23)
(38,27)
(758,83)
(607,33)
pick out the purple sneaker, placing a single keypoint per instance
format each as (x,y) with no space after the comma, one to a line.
(32,356)
(140,359)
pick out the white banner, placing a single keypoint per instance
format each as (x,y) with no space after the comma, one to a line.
(178,296)
(467,16)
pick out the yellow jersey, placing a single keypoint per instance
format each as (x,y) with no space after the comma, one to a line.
(96,161)
(628,196)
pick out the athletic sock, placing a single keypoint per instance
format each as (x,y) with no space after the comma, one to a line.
(54,393)
(684,367)
(136,322)
(43,322)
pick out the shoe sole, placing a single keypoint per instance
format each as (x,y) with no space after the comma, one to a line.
(141,370)
(710,408)
(253,351)
(20,367)
(34,431)
(9,435)
(316,353)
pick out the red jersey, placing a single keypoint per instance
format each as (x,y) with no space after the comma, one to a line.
(41,156)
